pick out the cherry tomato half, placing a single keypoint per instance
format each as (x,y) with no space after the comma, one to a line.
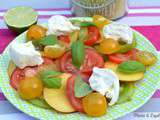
(75,102)
(122,57)
(94,35)
(94,104)
(64,40)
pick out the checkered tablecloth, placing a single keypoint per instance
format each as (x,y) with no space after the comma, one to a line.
(144,16)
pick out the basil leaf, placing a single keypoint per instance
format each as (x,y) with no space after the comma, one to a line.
(51,79)
(83,34)
(49,40)
(86,24)
(52,82)
(81,88)
(131,67)
(78,53)
(50,73)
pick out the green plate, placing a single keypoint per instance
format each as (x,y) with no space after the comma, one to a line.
(143,91)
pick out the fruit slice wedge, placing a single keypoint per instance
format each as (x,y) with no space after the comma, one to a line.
(123,76)
(57,98)
(20,18)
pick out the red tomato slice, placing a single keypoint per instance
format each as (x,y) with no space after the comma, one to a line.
(119,58)
(75,102)
(92,59)
(18,74)
(65,39)
(94,35)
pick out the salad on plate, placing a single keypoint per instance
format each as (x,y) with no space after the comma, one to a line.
(78,66)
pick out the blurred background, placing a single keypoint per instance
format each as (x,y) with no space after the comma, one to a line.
(4,4)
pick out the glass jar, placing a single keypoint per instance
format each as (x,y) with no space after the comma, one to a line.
(112,9)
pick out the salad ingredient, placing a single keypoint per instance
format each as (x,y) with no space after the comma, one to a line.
(94,104)
(126,93)
(60,25)
(122,57)
(11,68)
(81,88)
(39,102)
(54,51)
(57,98)
(24,54)
(64,40)
(146,58)
(36,32)
(16,77)
(126,47)
(83,34)
(74,36)
(93,36)
(108,46)
(75,102)
(78,53)
(86,24)
(119,58)
(20,18)
(123,76)
(51,79)
(100,21)
(118,32)
(48,40)
(106,82)
(30,88)
(92,59)
(131,67)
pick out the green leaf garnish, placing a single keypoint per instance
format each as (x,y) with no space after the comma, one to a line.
(49,40)
(131,67)
(51,79)
(86,24)
(81,88)
(78,53)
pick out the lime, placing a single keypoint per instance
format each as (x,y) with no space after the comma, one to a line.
(20,18)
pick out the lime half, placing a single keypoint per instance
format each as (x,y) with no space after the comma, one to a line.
(20,18)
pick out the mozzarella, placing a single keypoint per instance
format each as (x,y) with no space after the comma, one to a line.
(24,54)
(118,31)
(60,25)
(106,82)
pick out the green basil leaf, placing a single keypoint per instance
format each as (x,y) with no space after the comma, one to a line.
(51,79)
(52,82)
(49,73)
(131,67)
(49,40)
(78,53)
(83,34)
(86,24)
(81,88)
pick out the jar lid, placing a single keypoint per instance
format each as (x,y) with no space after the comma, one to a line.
(92,4)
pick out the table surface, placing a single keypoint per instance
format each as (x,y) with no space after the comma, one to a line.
(142,13)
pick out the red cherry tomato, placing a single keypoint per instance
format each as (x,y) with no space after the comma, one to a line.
(19,74)
(75,102)
(92,59)
(93,34)
(119,57)
(64,39)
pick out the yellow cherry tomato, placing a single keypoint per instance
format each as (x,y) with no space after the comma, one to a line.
(146,58)
(94,104)
(109,46)
(100,21)
(30,88)
(36,32)
(54,51)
